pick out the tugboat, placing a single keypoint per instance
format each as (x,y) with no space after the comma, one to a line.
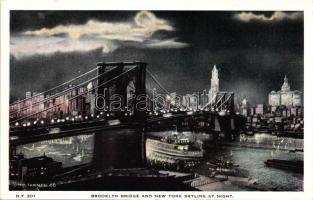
(173,152)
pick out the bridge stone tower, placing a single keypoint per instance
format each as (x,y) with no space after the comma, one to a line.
(214,83)
(123,145)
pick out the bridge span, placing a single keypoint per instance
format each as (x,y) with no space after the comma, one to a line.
(119,134)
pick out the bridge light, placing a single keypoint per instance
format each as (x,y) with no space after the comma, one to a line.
(58,120)
(63,120)
(42,122)
(114,122)
(16,124)
(189,113)
(24,125)
(126,114)
(79,116)
(101,113)
(150,113)
(35,122)
(28,123)
(76,117)
(98,116)
(108,115)
(167,115)
(73,119)
(52,121)
(91,115)
(86,117)
(222,113)
(67,118)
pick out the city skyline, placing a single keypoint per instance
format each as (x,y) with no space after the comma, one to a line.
(156,101)
(252,53)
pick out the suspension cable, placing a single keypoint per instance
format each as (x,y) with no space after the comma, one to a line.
(107,82)
(157,82)
(161,86)
(210,102)
(51,89)
(60,93)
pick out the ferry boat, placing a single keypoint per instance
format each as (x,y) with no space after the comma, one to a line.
(173,152)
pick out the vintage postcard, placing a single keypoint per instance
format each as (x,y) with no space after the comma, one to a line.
(185,101)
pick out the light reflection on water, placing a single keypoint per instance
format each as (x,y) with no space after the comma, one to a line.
(251,159)
(79,149)
(70,151)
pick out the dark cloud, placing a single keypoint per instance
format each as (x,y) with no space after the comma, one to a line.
(252,57)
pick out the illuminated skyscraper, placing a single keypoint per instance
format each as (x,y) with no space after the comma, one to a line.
(214,83)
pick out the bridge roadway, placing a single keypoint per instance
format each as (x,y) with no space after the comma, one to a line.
(24,135)
(27,135)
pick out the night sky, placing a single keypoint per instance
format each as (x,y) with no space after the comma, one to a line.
(252,50)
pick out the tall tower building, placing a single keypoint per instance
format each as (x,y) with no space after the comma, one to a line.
(214,83)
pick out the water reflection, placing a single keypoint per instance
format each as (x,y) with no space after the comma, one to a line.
(249,152)
(69,150)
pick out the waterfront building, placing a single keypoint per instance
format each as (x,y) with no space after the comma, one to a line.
(244,107)
(61,106)
(252,111)
(28,94)
(194,101)
(260,109)
(38,168)
(191,101)
(204,98)
(39,106)
(186,100)
(284,97)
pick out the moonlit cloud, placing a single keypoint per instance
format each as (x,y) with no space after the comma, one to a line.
(26,46)
(170,43)
(92,35)
(276,16)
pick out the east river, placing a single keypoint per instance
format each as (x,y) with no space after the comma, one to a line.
(249,153)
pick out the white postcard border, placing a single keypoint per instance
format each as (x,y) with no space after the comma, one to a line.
(305,5)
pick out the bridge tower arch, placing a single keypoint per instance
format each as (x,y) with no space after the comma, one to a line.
(123,147)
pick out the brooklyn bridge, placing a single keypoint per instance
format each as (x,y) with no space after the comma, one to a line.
(127,103)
